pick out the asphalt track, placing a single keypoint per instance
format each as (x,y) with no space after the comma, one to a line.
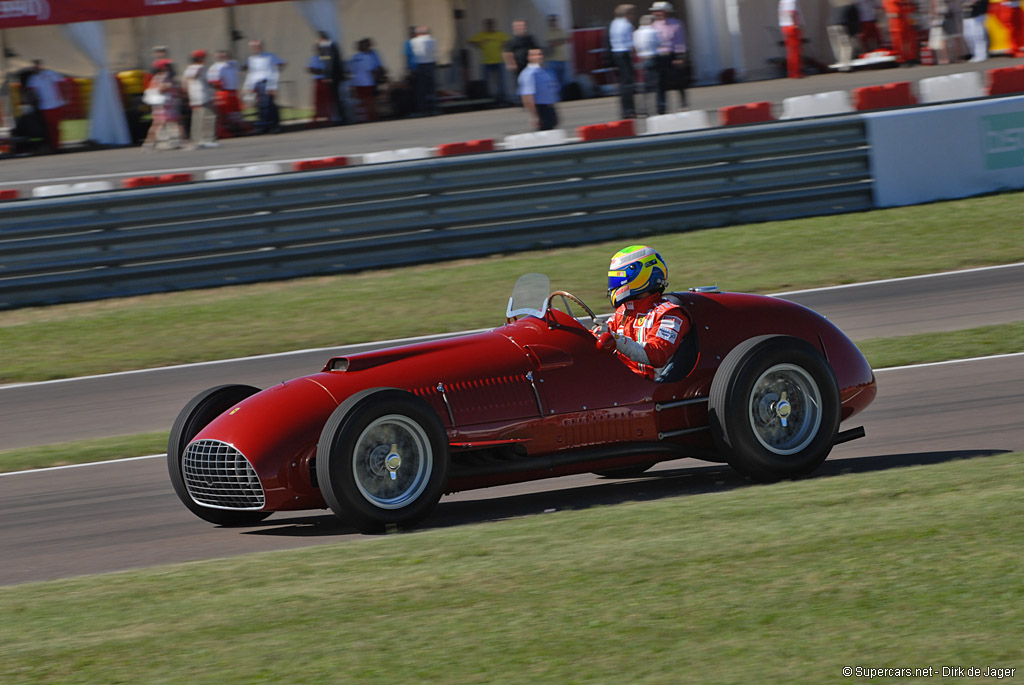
(116,516)
(28,172)
(145,401)
(121,515)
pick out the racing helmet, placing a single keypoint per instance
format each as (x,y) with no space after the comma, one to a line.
(635,271)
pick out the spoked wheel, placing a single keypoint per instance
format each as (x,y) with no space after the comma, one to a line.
(382,460)
(197,414)
(774,408)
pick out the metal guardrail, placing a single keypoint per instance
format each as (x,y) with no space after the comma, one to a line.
(215,233)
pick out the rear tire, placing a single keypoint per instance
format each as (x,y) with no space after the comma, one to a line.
(774,408)
(382,460)
(197,414)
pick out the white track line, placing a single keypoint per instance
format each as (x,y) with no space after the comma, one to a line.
(161,456)
(899,279)
(443,335)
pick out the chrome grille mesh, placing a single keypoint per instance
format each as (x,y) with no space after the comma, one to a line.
(217,475)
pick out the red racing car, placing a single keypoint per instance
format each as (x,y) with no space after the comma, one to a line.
(759,383)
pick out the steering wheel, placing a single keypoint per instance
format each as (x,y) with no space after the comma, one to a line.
(566,296)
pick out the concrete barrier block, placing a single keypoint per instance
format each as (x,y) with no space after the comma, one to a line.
(400,155)
(951,87)
(816,105)
(535,139)
(677,121)
(72,188)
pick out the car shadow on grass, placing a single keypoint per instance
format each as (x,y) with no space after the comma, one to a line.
(655,485)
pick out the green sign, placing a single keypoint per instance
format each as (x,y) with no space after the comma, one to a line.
(1002,140)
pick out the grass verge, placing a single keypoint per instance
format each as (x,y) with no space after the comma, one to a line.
(881,352)
(783,583)
(131,333)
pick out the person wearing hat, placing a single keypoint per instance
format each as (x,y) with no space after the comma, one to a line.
(201,100)
(166,112)
(670,59)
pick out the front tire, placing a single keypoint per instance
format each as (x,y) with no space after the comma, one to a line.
(774,408)
(382,460)
(197,414)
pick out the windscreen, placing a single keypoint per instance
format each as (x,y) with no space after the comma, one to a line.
(528,296)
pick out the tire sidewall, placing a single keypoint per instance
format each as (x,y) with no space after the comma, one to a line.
(196,415)
(337,443)
(730,411)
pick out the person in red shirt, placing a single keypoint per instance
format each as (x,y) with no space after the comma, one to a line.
(646,329)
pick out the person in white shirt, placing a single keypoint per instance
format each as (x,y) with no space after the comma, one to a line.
(262,79)
(200,99)
(620,39)
(223,75)
(645,44)
(424,50)
(46,85)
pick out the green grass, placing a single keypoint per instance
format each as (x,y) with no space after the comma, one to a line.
(937,347)
(131,333)
(786,583)
(83,451)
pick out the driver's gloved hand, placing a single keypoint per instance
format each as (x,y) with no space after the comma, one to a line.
(606,343)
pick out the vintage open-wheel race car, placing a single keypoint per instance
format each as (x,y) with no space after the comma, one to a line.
(378,437)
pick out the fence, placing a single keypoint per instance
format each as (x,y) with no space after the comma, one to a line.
(223,232)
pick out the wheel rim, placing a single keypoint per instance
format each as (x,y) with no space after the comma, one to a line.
(392,461)
(785,409)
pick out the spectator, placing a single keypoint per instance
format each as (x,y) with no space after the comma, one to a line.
(223,75)
(517,50)
(943,32)
(47,86)
(1012,17)
(167,112)
(540,91)
(29,124)
(843,25)
(332,77)
(557,54)
(645,44)
(791,23)
(200,99)
(490,44)
(975,13)
(620,39)
(900,16)
(261,82)
(321,86)
(870,38)
(367,70)
(424,49)
(670,61)
(160,52)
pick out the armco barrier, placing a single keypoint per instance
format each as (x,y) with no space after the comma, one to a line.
(336,220)
(753,113)
(884,96)
(1006,80)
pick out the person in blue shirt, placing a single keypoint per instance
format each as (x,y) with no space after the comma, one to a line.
(539,90)
(620,42)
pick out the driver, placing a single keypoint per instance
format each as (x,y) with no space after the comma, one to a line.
(645,329)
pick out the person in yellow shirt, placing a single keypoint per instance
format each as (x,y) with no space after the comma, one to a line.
(490,43)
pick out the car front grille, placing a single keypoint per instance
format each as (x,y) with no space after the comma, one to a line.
(218,475)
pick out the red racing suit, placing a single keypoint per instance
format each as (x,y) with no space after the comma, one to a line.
(656,324)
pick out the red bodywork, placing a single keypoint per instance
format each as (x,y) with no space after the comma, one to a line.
(531,399)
